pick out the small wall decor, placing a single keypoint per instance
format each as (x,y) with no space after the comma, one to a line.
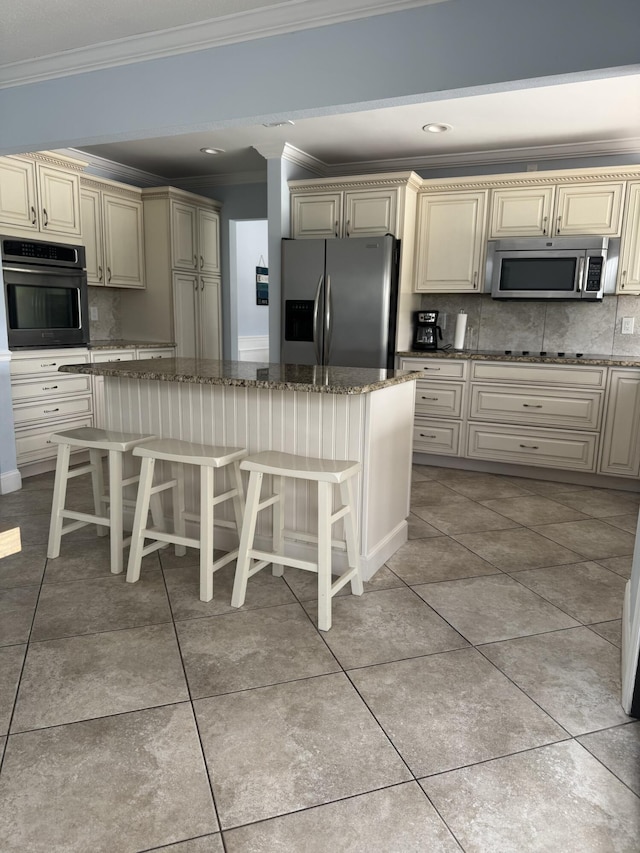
(262,283)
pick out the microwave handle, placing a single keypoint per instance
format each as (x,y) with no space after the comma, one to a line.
(580,274)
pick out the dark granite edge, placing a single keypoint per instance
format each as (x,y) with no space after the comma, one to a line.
(587,360)
(128,370)
(121,344)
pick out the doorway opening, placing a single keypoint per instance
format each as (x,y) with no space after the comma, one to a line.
(249,320)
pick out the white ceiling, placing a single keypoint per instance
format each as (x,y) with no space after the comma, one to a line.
(40,39)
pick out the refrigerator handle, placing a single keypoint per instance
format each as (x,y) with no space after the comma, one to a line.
(328,323)
(316,312)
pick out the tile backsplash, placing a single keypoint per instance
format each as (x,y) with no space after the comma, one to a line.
(108,325)
(572,326)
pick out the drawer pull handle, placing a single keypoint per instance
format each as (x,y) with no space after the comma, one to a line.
(49,387)
(532,405)
(50,364)
(50,411)
(530,446)
(46,217)
(33,215)
(432,368)
(422,435)
(435,399)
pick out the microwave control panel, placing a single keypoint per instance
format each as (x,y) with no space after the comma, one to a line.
(595,266)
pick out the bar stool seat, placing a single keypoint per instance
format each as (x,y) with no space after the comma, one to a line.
(207,458)
(327,473)
(96,441)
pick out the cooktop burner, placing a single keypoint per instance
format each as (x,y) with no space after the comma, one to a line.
(544,352)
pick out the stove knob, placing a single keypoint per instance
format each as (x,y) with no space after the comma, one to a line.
(507,352)
(525,352)
(578,355)
(560,355)
(543,352)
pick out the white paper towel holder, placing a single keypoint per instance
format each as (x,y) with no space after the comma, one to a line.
(460,330)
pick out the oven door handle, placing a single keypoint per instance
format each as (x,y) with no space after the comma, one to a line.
(67,271)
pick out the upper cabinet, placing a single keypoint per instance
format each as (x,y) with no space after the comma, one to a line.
(40,194)
(112,227)
(629,266)
(450,242)
(195,238)
(557,210)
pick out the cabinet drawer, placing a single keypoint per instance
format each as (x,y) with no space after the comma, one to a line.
(35,444)
(46,363)
(44,389)
(546,447)
(165,352)
(439,398)
(114,355)
(436,368)
(51,409)
(432,436)
(541,374)
(536,406)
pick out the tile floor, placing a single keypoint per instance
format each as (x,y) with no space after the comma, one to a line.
(468,701)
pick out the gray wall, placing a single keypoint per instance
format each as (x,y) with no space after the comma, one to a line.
(252,244)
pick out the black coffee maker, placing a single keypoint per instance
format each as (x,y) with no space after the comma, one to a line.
(426,330)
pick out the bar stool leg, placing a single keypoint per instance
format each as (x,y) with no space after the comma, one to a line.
(278,524)
(179,526)
(324,555)
(246,539)
(97,486)
(206,532)
(115,510)
(140,519)
(351,535)
(238,498)
(59,497)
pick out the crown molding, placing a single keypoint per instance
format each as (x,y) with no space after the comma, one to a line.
(109,169)
(284,151)
(231,178)
(284,17)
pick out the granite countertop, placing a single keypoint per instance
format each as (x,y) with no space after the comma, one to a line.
(535,357)
(110,344)
(252,374)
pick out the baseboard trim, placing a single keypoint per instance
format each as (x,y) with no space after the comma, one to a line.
(10,481)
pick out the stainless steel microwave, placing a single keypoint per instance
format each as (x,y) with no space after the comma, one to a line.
(547,268)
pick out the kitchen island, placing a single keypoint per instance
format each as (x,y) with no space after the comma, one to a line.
(361,414)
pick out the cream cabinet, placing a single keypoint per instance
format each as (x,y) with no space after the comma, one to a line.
(363,213)
(45,401)
(620,452)
(195,238)
(196,306)
(562,210)
(440,401)
(450,242)
(112,222)
(40,193)
(629,266)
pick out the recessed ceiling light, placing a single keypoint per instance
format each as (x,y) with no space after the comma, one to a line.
(436,128)
(212,150)
(279,123)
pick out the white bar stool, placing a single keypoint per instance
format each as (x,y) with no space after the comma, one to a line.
(327,473)
(96,441)
(208,458)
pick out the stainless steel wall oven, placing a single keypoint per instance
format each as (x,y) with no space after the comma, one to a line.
(45,289)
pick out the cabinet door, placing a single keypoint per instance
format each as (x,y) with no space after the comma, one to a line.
(91,210)
(209,318)
(208,241)
(621,435)
(450,242)
(629,268)
(589,209)
(123,241)
(18,204)
(59,199)
(370,213)
(184,236)
(316,215)
(521,212)
(185,301)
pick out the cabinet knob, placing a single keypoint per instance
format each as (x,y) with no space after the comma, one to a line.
(45,217)
(33,215)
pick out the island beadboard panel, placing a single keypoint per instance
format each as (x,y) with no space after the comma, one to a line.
(374,429)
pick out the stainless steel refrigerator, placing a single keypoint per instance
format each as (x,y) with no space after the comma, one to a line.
(339,301)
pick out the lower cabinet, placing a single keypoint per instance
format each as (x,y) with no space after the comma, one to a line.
(621,432)
(196,306)
(551,448)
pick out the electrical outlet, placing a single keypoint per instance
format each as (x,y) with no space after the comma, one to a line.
(627,325)
(93,313)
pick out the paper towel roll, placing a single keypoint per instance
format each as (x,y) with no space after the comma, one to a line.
(461,328)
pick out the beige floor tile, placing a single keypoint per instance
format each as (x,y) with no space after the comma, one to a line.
(11,659)
(419,529)
(627,522)
(427,493)
(601,503)
(432,560)
(611,631)
(452,709)
(305,584)
(556,798)
(574,675)
(398,819)
(518,549)
(620,565)
(383,626)
(17,607)
(83,559)
(546,488)
(619,750)
(585,591)
(533,509)
(592,539)
(488,609)
(462,516)
(205,844)
(485,486)
(292,746)
(24,568)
